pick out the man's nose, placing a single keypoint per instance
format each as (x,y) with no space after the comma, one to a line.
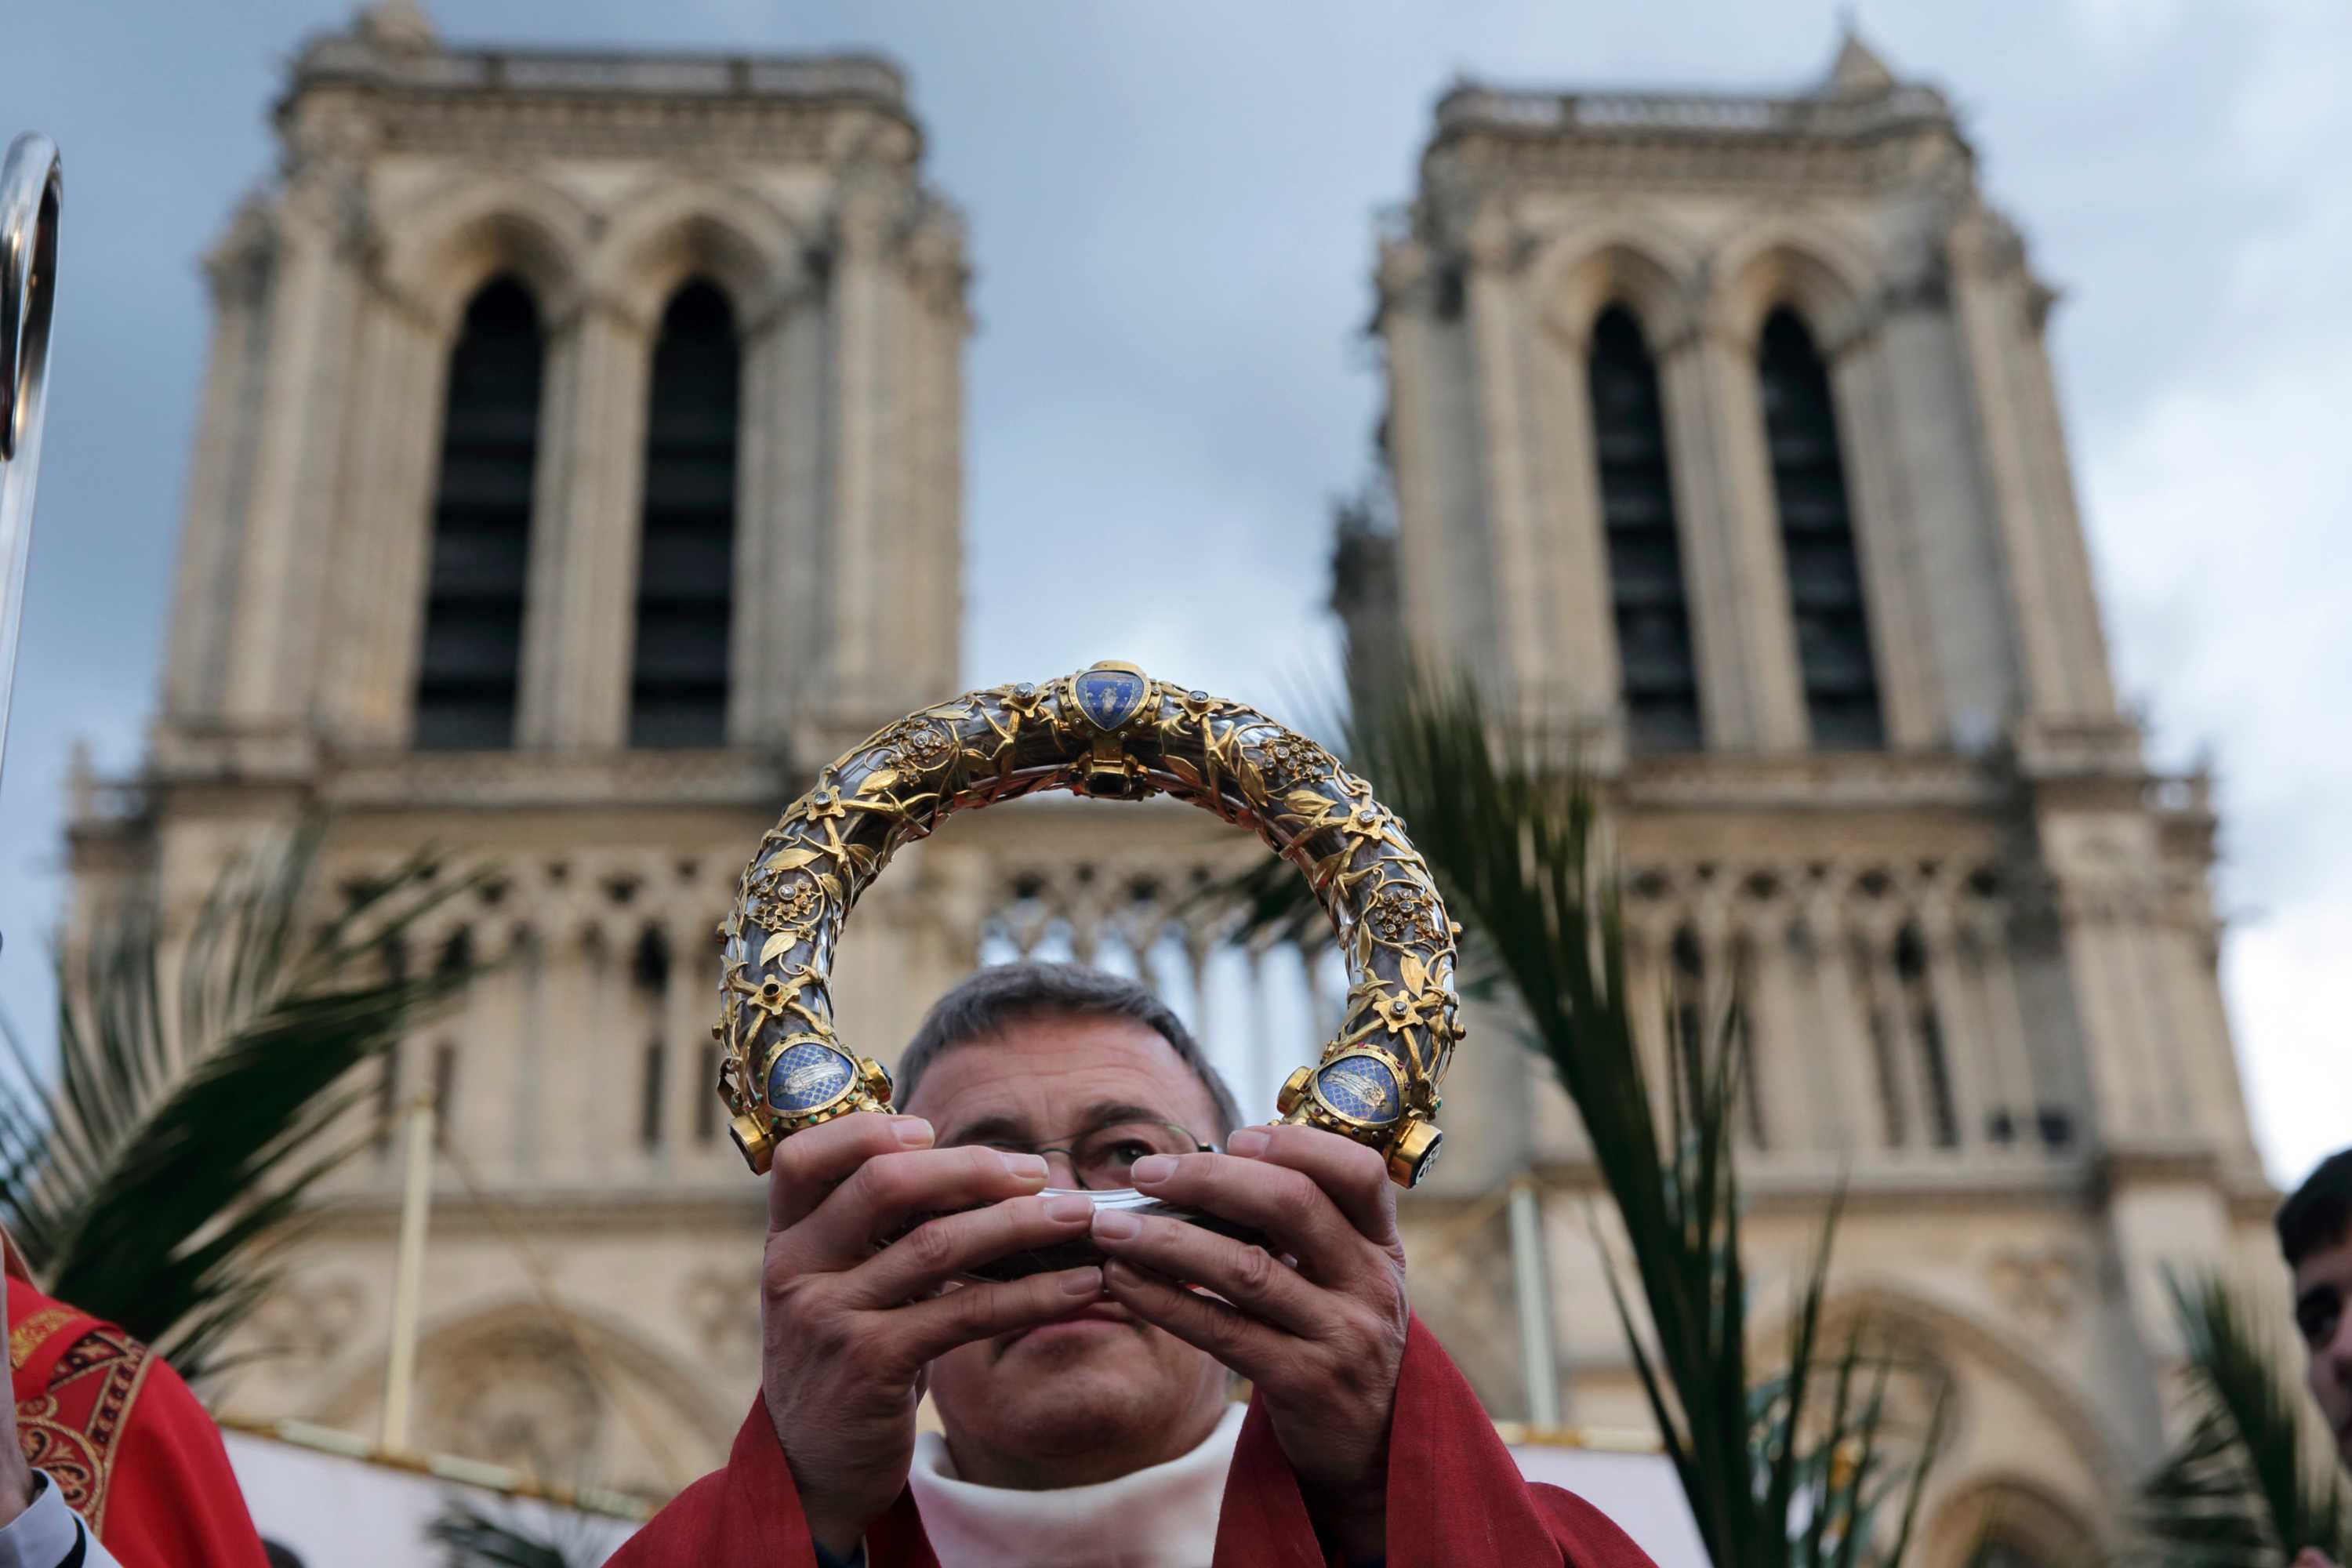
(1060,1163)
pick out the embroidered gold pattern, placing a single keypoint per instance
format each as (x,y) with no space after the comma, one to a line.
(26,1337)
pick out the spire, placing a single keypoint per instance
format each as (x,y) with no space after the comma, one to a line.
(1857,72)
(395,25)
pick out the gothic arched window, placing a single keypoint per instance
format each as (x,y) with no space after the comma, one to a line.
(470,669)
(677,684)
(1928,1034)
(1825,595)
(1637,512)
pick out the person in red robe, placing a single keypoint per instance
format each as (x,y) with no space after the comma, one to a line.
(105,1428)
(1084,1407)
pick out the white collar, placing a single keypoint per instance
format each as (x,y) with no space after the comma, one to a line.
(1163,1515)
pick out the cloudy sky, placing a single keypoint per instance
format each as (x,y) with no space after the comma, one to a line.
(1170,211)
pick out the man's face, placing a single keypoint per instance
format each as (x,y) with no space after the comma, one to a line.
(2323,1312)
(1104,1393)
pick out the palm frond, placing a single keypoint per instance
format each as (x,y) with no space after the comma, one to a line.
(1515,837)
(469,1538)
(2243,1488)
(152,1178)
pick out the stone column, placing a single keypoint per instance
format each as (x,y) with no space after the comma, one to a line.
(855,585)
(2125,1105)
(579,620)
(933,434)
(1580,617)
(2051,472)
(292,499)
(1498,330)
(1993,988)
(396,424)
(1886,533)
(754,674)
(239,271)
(1968,1066)
(1842,1042)
(1740,629)
(1441,549)
(1989,305)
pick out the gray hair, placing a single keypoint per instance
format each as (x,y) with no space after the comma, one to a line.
(1005,994)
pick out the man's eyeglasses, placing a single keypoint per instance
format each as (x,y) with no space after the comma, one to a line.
(1101,1158)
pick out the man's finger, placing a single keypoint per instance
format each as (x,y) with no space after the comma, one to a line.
(1247,1276)
(1254,1350)
(939,1249)
(1283,1202)
(1354,1177)
(921,1331)
(812,1162)
(890,1189)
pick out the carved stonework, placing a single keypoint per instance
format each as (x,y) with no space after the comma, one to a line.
(2038,1285)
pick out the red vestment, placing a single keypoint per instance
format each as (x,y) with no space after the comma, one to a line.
(124,1439)
(1455,1499)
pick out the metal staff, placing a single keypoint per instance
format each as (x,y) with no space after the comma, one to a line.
(32,190)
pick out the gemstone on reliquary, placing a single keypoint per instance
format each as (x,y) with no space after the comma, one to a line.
(1109,698)
(1361,1088)
(808,1077)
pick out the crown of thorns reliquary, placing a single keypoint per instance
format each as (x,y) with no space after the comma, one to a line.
(1112,732)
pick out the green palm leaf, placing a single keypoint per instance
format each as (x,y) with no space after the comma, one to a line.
(152,1179)
(1513,836)
(2243,1488)
(469,1538)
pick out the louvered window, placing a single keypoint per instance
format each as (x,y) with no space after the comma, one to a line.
(678,687)
(1832,623)
(470,667)
(1645,569)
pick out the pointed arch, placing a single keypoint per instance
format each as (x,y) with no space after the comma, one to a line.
(445,246)
(1797,261)
(1623,260)
(729,235)
(1648,593)
(1835,658)
(686,567)
(469,664)
(2008,1400)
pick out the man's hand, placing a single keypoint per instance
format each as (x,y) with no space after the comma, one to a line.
(1322,1341)
(2312,1557)
(847,1328)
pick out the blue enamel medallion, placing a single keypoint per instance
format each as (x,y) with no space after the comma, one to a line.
(1109,698)
(808,1077)
(1360,1088)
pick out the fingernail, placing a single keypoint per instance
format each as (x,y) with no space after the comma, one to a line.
(1082,1282)
(1024,1164)
(1116,1225)
(1153,1168)
(912,1130)
(1066,1209)
(1248,1142)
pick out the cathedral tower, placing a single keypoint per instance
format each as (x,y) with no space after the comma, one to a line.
(1723,436)
(578,468)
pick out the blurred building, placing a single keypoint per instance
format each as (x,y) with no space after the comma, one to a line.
(578,470)
(1723,437)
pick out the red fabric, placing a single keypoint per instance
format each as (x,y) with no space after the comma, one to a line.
(124,1439)
(1455,1499)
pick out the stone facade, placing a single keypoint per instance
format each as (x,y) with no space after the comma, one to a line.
(589,1304)
(1977,959)
(1980,958)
